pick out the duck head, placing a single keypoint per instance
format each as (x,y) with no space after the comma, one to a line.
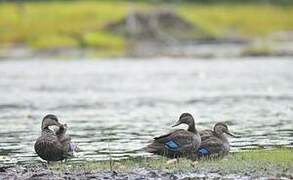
(221,128)
(50,120)
(186,118)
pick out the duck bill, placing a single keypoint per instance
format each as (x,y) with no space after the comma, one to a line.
(232,135)
(176,124)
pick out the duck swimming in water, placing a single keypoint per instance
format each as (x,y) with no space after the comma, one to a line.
(179,142)
(53,146)
(214,142)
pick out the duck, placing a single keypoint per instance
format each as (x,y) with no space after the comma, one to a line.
(214,143)
(53,145)
(178,143)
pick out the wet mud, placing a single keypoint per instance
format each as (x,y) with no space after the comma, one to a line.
(41,171)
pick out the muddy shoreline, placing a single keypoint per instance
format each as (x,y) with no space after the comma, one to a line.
(254,164)
(40,171)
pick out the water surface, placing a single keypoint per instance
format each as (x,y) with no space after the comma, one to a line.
(117,106)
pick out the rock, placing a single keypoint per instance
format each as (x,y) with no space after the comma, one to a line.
(163,25)
(3,168)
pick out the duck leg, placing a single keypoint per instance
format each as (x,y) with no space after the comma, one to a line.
(177,160)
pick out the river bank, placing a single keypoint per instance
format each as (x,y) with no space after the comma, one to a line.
(115,29)
(266,164)
(203,49)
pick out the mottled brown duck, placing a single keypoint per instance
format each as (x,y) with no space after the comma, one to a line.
(214,143)
(177,143)
(53,146)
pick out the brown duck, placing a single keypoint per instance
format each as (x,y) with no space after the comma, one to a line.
(53,146)
(214,142)
(179,142)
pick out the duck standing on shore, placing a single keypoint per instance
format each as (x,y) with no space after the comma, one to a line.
(214,142)
(54,146)
(179,142)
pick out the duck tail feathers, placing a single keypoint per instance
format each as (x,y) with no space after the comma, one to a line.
(153,148)
(73,148)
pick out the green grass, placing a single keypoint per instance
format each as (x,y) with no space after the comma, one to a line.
(257,160)
(261,161)
(80,24)
(60,25)
(240,20)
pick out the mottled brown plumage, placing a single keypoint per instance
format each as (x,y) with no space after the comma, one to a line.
(53,146)
(213,142)
(177,143)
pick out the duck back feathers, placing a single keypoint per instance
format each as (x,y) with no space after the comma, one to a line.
(213,144)
(54,146)
(48,147)
(175,144)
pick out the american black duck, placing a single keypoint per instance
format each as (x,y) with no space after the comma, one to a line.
(214,143)
(177,143)
(53,146)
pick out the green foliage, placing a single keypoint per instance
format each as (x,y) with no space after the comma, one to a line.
(281,2)
(104,40)
(52,41)
(57,23)
(240,20)
(79,24)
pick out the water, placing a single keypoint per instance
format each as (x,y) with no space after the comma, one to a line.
(117,106)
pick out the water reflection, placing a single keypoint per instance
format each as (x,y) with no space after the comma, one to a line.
(118,106)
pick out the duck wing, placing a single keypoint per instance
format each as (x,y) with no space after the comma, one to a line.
(68,147)
(174,143)
(162,137)
(181,137)
(205,134)
(49,148)
(211,146)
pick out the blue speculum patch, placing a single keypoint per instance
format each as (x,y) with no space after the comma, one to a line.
(172,145)
(202,151)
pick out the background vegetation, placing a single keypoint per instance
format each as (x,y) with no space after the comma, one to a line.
(80,24)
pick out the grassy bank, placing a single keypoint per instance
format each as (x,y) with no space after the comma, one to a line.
(51,25)
(260,161)
(253,164)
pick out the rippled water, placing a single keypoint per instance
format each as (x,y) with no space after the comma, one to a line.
(119,105)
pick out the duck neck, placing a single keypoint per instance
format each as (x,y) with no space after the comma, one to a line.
(220,136)
(191,128)
(223,137)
